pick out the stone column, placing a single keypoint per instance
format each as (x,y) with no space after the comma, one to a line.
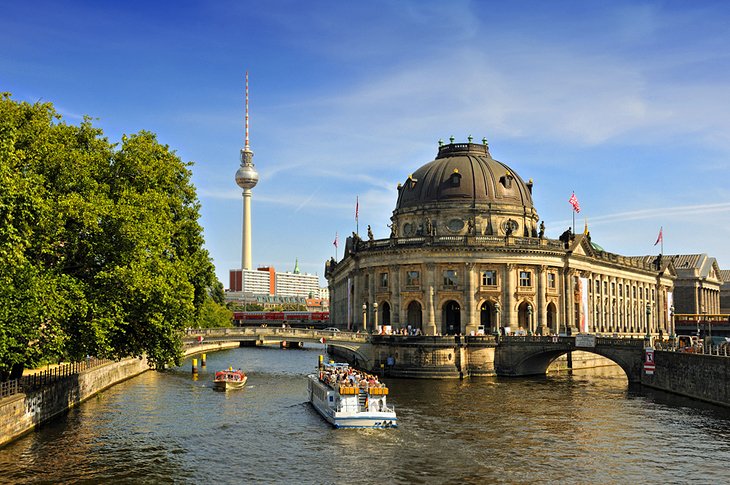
(356,303)
(370,293)
(395,296)
(430,316)
(571,302)
(541,310)
(509,314)
(334,310)
(471,322)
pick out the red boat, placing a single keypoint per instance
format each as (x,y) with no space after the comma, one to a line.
(230,379)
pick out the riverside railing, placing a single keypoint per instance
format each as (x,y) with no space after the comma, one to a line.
(49,376)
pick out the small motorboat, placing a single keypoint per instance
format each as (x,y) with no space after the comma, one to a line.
(230,379)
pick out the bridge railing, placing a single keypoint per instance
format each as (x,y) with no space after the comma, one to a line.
(554,339)
(431,339)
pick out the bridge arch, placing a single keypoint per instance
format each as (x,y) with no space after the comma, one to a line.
(525,356)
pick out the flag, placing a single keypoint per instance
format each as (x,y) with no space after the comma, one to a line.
(574,202)
(357,206)
(660,238)
(335,241)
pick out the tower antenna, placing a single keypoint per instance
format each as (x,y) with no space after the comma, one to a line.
(246,145)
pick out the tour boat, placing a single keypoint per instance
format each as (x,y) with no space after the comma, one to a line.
(230,379)
(348,398)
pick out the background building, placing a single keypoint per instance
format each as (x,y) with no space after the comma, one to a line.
(725,291)
(269,288)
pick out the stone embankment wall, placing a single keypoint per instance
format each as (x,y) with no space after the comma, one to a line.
(698,376)
(21,413)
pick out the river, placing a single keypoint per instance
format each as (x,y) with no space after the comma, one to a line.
(165,427)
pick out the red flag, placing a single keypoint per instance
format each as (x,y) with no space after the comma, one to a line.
(357,206)
(335,241)
(660,238)
(574,202)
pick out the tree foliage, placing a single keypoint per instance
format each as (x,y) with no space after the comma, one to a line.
(101,251)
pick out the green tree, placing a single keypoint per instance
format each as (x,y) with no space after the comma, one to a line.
(101,251)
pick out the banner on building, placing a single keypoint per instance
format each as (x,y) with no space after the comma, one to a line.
(668,313)
(349,304)
(584,316)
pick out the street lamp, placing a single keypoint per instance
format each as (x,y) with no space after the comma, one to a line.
(648,316)
(529,319)
(375,309)
(672,336)
(498,323)
(365,317)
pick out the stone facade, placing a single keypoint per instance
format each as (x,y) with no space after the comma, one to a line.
(697,286)
(725,291)
(466,252)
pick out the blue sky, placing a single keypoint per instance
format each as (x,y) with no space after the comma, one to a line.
(625,103)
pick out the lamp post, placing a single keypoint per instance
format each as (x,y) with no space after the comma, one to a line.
(498,322)
(375,309)
(672,336)
(529,319)
(365,317)
(648,317)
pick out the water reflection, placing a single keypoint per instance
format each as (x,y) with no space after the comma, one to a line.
(585,427)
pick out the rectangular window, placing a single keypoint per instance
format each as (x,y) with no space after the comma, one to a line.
(450,278)
(525,278)
(489,278)
(413,278)
(552,280)
(383,280)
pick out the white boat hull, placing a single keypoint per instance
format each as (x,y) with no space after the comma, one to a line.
(346,419)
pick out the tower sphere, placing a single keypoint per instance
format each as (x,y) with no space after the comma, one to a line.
(246,176)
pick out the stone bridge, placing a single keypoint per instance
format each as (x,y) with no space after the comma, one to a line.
(354,345)
(436,356)
(532,355)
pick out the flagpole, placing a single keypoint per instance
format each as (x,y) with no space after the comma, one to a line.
(573,211)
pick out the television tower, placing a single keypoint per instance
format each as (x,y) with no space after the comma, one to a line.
(246,177)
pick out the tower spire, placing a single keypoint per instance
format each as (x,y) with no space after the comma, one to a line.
(246,178)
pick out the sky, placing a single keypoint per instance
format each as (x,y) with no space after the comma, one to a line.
(625,103)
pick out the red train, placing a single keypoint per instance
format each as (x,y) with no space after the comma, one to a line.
(293,319)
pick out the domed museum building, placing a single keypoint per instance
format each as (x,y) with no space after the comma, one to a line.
(467,253)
